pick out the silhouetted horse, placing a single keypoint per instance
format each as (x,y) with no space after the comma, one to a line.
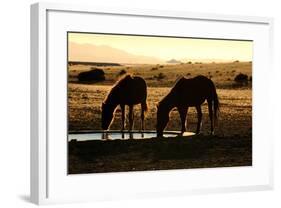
(129,90)
(187,93)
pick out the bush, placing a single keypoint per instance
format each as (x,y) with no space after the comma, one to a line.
(250,78)
(241,78)
(122,72)
(154,69)
(160,76)
(94,75)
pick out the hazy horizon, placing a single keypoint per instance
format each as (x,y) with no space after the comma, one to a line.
(131,49)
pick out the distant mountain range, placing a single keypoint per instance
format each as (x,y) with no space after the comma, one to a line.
(104,53)
(207,60)
(173,61)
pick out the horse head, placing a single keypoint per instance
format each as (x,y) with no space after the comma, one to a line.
(162,119)
(107,115)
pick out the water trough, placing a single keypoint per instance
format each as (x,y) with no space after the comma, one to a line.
(117,134)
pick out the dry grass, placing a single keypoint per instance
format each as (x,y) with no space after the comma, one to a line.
(221,73)
(85,110)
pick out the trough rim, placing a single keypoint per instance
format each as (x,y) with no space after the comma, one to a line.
(119,131)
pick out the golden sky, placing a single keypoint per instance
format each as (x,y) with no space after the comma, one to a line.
(160,48)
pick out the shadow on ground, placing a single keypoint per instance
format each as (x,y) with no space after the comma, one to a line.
(159,154)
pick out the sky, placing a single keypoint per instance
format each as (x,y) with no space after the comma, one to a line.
(129,48)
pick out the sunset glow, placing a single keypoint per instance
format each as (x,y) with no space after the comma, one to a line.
(155,49)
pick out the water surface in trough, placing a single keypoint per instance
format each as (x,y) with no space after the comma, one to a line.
(118,135)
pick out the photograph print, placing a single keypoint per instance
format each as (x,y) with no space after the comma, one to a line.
(150,103)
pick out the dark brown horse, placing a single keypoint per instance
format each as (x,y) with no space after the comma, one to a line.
(188,93)
(129,90)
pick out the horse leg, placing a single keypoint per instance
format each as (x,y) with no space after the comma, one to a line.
(199,117)
(123,120)
(131,117)
(182,112)
(211,115)
(123,116)
(142,117)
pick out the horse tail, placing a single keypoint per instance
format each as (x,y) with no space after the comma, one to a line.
(216,104)
(145,107)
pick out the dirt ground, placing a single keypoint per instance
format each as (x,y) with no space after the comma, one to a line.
(159,154)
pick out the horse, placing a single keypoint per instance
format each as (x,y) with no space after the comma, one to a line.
(188,93)
(130,91)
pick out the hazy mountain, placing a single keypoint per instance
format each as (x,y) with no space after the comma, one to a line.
(104,53)
(205,60)
(173,61)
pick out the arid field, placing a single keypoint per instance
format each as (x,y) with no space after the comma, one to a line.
(232,135)
(235,102)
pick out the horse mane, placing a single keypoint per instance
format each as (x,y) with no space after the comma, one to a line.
(178,82)
(116,87)
(122,78)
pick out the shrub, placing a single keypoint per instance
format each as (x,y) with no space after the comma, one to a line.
(160,76)
(85,96)
(241,78)
(122,72)
(94,75)
(154,69)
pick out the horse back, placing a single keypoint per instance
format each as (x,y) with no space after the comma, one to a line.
(133,90)
(192,92)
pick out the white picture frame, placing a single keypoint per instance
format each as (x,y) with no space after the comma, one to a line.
(49,181)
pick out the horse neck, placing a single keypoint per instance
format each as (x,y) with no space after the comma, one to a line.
(113,98)
(168,102)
